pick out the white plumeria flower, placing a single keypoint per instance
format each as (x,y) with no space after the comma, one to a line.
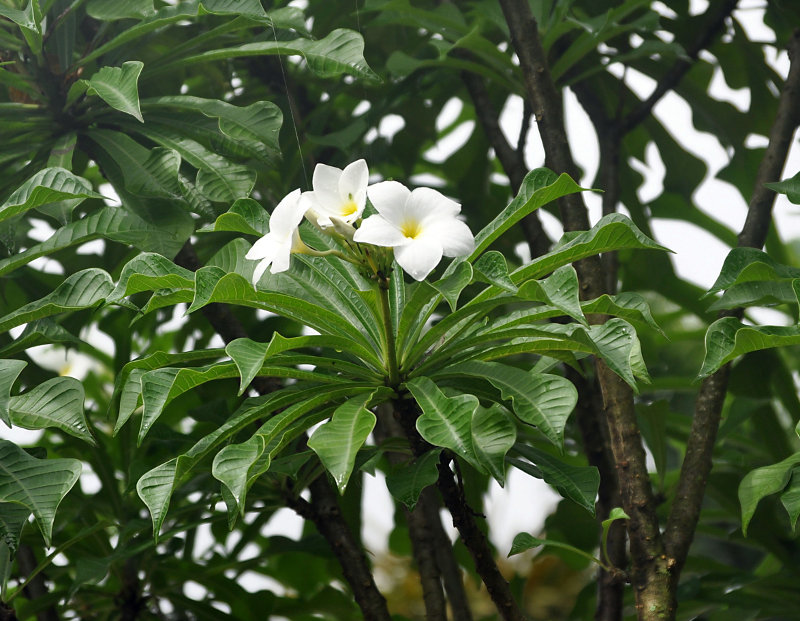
(337,193)
(283,238)
(420,225)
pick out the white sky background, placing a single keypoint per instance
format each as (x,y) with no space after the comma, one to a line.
(525,502)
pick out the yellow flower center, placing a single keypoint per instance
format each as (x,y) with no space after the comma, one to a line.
(349,208)
(411,228)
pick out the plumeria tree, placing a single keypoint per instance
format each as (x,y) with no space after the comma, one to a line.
(277,340)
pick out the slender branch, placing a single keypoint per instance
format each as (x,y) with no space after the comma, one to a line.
(477,544)
(708,406)
(421,530)
(680,67)
(445,559)
(323,510)
(473,537)
(512,160)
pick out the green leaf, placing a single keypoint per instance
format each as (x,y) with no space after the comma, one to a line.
(612,232)
(155,488)
(338,441)
(39,332)
(83,289)
(491,267)
(114,223)
(628,305)
(560,290)
(728,338)
(339,52)
(743,265)
(617,344)
(237,466)
(150,272)
(214,285)
(152,173)
(524,541)
(245,216)
(790,498)
(578,483)
(58,403)
(111,10)
(538,399)
(37,484)
(13,518)
(46,186)
(9,372)
(119,87)
(762,482)
(29,24)
(218,178)
(790,187)
(445,421)
(539,187)
(128,386)
(259,122)
(406,481)
(615,514)
(493,434)
(248,8)
(453,284)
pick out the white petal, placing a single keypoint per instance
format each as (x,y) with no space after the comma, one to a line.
(288,214)
(379,231)
(389,198)
(353,182)
(259,271)
(426,204)
(282,259)
(418,258)
(326,179)
(452,235)
(263,248)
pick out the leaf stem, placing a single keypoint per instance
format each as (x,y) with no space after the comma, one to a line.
(390,347)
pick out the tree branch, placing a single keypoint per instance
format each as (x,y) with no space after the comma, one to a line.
(680,67)
(512,160)
(708,406)
(588,415)
(420,530)
(648,563)
(463,519)
(324,512)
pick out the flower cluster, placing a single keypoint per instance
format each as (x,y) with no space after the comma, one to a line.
(420,225)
